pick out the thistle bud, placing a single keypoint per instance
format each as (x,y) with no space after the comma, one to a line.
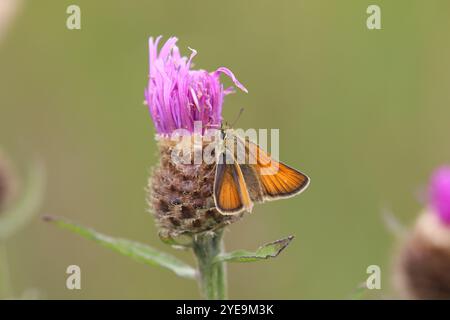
(423,264)
(178,98)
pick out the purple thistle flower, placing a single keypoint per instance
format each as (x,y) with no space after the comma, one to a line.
(440,194)
(178,96)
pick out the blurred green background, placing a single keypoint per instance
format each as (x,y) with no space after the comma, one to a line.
(364,113)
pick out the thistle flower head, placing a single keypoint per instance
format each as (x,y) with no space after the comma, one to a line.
(440,194)
(177,96)
(181,195)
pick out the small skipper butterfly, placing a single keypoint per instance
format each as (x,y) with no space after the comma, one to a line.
(246,174)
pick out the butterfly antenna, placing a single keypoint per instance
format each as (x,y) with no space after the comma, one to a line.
(237,117)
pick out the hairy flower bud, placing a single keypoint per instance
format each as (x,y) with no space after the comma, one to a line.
(423,263)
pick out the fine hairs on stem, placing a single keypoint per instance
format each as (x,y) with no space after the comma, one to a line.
(211,275)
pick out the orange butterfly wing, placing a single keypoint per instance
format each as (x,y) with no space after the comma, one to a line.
(230,191)
(277,179)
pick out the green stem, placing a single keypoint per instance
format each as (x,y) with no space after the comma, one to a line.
(212,276)
(5,281)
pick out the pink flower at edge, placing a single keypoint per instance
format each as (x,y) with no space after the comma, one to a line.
(440,194)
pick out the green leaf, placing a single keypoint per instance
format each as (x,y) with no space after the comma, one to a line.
(180,243)
(26,207)
(137,251)
(269,250)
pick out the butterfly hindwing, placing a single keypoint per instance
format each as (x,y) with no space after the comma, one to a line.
(286,182)
(253,182)
(277,180)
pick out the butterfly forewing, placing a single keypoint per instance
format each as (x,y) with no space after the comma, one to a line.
(230,191)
